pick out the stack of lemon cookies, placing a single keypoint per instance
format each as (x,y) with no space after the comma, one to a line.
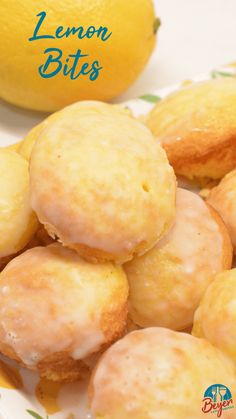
(97,240)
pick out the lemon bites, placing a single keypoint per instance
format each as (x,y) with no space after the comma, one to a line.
(167,283)
(57,309)
(197,127)
(100,183)
(160,374)
(223,199)
(215,318)
(18,223)
(118,38)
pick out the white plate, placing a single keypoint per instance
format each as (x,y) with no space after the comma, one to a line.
(68,401)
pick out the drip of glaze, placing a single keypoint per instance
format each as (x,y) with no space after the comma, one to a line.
(46,393)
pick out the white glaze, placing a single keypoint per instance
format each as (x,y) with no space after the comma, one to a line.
(195,235)
(86,337)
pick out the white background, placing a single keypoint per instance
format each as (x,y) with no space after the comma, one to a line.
(195,37)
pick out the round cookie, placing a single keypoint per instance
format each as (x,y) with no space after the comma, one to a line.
(156,373)
(18,223)
(56,310)
(197,127)
(100,183)
(223,199)
(215,318)
(167,283)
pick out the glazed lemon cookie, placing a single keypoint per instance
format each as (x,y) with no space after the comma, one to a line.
(100,183)
(197,127)
(167,283)
(156,373)
(223,199)
(18,223)
(215,318)
(56,310)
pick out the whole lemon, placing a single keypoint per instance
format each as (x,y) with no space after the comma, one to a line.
(55,52)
